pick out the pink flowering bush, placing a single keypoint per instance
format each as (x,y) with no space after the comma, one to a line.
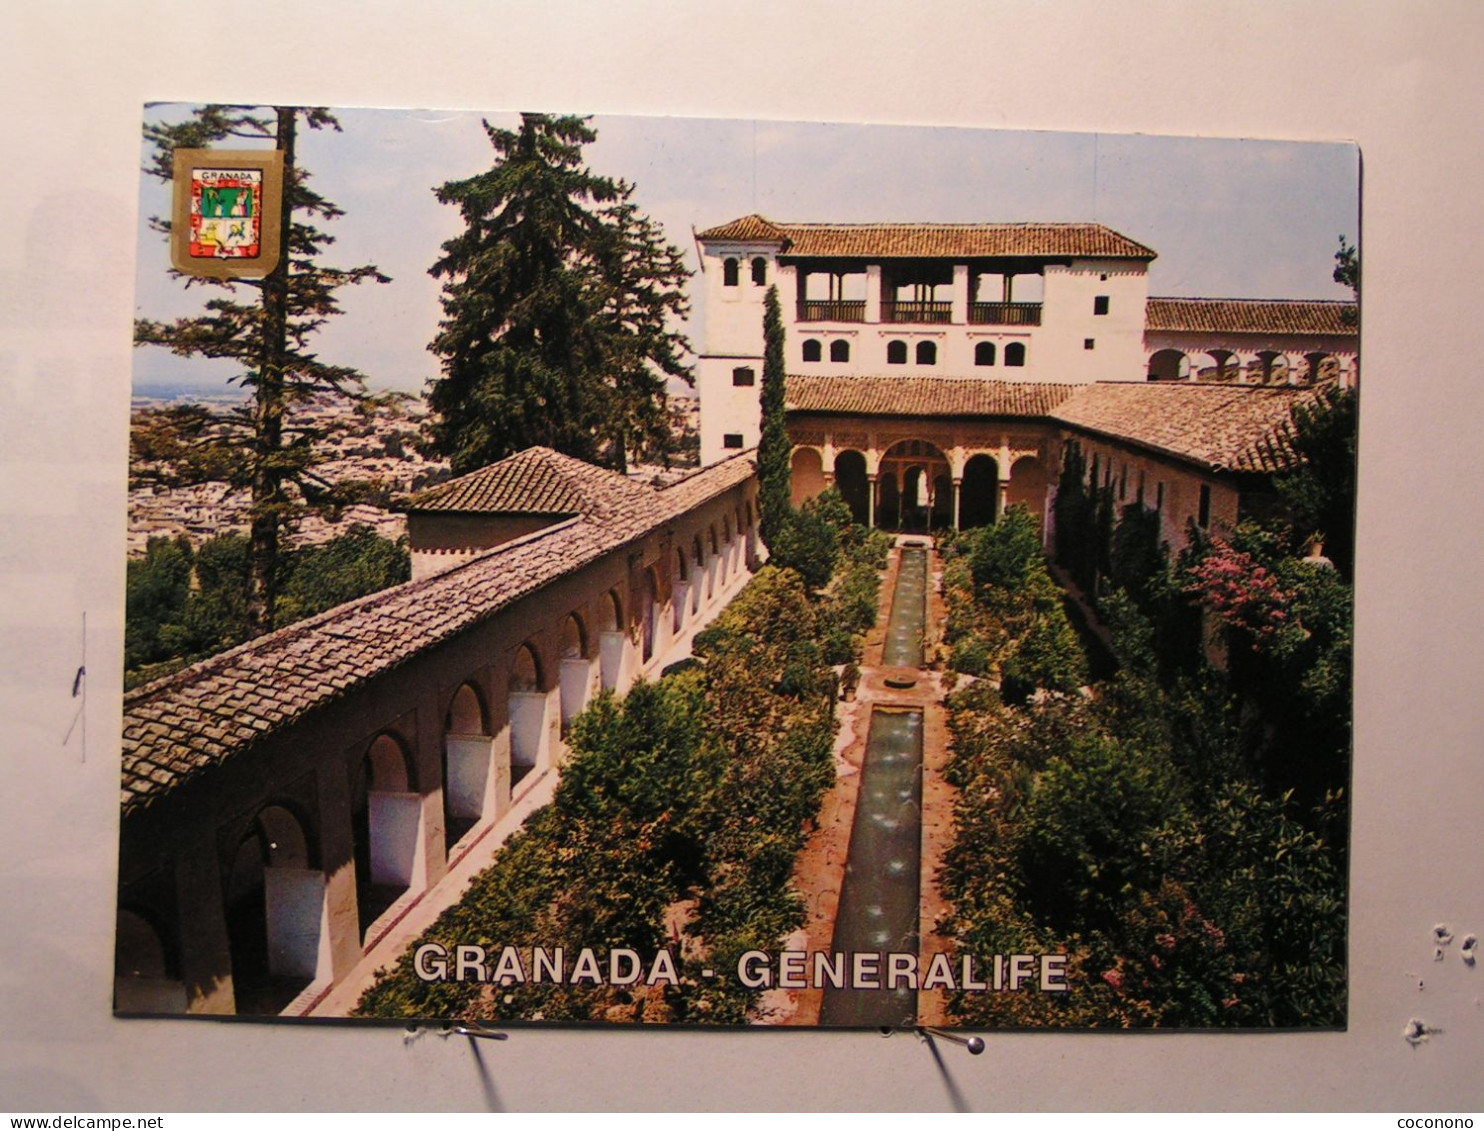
(1242,593)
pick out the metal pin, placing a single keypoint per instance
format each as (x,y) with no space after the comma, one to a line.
(469,1029)
(975,1045)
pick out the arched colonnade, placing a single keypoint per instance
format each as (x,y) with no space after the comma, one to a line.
(922,481)
(314,870)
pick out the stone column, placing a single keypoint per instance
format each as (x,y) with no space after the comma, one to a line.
(337,858)
(960,314)
(957,485)
(871,503)
(205,950)
(873,293)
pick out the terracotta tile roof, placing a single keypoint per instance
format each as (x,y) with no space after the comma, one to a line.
(1221,427)
(181,725)
(924,396)
(886,241)
(749,229)
(535,481)
(1250,316)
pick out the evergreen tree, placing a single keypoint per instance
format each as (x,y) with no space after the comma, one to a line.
(268,335)
(558,299)
(773,448)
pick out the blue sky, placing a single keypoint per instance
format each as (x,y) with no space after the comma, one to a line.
(1229,218)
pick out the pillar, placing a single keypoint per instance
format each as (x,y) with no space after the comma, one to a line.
(871,502)
(873,292)
(957,484)
(960,295)
(1001,498)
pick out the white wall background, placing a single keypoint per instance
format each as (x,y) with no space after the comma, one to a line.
(1399,78)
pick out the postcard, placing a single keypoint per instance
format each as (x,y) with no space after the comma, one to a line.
(626,571)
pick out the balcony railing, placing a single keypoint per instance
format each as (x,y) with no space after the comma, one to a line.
(895,311)
(832,310)
(1005,313)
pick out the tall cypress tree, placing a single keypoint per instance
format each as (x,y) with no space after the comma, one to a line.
(558,299)
(268,335)
(773,448)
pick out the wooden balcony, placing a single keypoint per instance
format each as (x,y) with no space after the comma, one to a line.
(832,310)
(1005,313)
(932,312)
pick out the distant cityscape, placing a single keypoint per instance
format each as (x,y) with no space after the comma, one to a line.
(374,444)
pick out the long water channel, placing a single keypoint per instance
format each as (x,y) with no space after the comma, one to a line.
(880,897)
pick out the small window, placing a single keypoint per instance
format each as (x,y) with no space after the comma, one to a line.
(812,350)
(744,375)
(839,350)
(729,273)
(1159,496)
(927,353)
(1102,278)
(1141,487)
(1100,303)
(984,353)
(760,271)
(1204,518)
(1015,353)
(732,440)
(896,353)
(1088,343)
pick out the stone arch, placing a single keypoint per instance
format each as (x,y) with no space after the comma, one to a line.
(139,946)
(805,474)
(574,638)
(984,353)
(466,713)
(1314,366)
(840,350)
(896,352)
(1169,365)
(649,599)
(730,272)
(759,271)
(1015,354)
(927,352)
(1225,366)
(388,766)
(813,350)
(909,469)
(979,492)
(526,706)
(386,826)
(525,669)
(612,639)
(1028,486)
(575,676)
(273,903)
(850,479)
(472,782)
(1273,367)
(146,973)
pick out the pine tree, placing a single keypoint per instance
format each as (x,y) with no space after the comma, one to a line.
(269,335)
(558,299)
(773,455)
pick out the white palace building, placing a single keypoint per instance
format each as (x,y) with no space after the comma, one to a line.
(935,371)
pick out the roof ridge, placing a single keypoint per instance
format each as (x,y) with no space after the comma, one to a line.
(1213,298)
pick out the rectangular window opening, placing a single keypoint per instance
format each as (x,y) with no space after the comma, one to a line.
(743,375)
(732,440)
(1100,304)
